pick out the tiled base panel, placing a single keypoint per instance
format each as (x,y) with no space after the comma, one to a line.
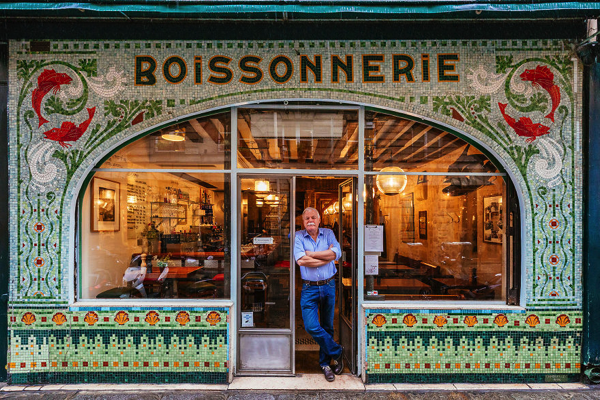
(472,346)
(119,346)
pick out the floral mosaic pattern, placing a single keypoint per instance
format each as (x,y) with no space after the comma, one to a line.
(95,344)
(475,346)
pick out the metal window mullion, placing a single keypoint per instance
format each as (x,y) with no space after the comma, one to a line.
(438,173)
(360,254)
(234,242)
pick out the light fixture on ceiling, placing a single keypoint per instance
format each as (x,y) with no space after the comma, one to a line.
(259,202)
(391,185)
(261,188)
(175,135)
(347,202)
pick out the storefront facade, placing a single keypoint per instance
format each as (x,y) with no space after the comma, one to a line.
(479,274)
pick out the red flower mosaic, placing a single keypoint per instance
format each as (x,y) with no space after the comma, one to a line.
(39,262)
(554,259)
(39,227)
(554,223)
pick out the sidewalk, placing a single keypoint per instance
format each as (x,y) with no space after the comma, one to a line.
(304,387)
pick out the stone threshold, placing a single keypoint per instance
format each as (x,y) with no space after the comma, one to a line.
(302,382)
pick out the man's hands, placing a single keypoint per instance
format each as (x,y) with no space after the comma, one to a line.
(325,255)
(315,259)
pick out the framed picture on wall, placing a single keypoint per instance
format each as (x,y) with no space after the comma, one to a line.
(106,205)
(423,225)
(493,221)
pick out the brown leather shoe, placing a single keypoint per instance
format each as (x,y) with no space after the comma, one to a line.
(328,373)
(338,365)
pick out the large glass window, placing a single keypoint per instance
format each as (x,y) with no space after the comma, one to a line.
(155,235)
(298,139)
(444,229)
(201,143)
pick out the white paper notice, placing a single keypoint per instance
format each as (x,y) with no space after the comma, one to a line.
(374,238)
(371,265)
(248,319)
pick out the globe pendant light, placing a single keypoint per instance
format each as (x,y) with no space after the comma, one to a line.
(391,185)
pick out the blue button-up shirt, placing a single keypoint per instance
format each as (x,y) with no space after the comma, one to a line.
(304,242)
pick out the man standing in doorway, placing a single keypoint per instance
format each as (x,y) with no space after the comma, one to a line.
(315,250)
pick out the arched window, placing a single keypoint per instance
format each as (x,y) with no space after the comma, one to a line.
(156,217)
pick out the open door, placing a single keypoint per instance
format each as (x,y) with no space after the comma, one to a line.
(348,273)
(265,295)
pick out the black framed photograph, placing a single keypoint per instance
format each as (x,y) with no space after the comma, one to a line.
(493,222)
(105,205)
(423,225)
(421,179)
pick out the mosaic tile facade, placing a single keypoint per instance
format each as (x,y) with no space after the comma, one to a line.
(72,105)
(472,346)
(119,345)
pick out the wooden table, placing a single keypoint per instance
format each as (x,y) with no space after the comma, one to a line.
(174,274)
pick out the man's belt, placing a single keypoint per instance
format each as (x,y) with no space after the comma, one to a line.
(319,283)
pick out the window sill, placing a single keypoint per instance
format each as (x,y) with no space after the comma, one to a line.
(150,303)
(431,305)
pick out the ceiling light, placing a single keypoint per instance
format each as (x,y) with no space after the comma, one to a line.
(391,184)
(176,135)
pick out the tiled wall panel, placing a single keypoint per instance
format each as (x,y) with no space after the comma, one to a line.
(536,136)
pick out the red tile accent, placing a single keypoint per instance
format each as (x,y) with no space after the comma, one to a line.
(207,364)
(198,318)
(447,365)
(568,365)
(186,364)
(43,364)
(23,365)
(427,366)
(136,319)
(527,366)
(146,363)
(455,320)
(486,320)
(394,320)
(85,364)
(105,364)
(467,365)
(167,319)
(387,366)
(75,319)
(125,363)
(548,365)
(424,320)
(516,323)
(407,366)
(44,319)
(507,365)
(65,364)
(487,365)
(166,363)
(106,319)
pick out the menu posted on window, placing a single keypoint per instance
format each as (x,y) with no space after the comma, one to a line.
(374,238)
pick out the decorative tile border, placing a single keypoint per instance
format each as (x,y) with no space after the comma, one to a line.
(474,346)
(118,346)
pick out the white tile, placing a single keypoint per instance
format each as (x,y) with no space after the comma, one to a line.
(11,388)
(191,386)
(51,387)
(491,386)
(573,386)
(33,388)
(300,382)
(380,386)
(544,386)
(407,387)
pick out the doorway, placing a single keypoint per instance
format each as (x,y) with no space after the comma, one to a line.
(271,335)
(334,198)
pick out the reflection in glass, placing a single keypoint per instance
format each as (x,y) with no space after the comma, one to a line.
(172,240)
(444,239)
(265,253)
(297,139)
(202,143)
(413,146)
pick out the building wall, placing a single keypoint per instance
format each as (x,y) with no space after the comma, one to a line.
(46,178)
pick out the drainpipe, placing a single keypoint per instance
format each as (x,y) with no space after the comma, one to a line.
(590,353)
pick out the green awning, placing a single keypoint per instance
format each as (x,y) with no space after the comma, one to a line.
(307,10)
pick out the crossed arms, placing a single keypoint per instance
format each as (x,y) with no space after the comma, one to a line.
(315,259)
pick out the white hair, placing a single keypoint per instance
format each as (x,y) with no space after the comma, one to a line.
(310,209)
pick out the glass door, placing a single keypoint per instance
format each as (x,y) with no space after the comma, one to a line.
(265,295)
(348,269)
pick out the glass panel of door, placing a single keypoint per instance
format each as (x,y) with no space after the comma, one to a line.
(265,277)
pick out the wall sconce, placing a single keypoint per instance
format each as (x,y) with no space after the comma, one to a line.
(391,185)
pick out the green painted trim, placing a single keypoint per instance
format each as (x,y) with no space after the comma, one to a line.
(269,9)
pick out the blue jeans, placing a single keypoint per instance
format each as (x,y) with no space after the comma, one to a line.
(315,300)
